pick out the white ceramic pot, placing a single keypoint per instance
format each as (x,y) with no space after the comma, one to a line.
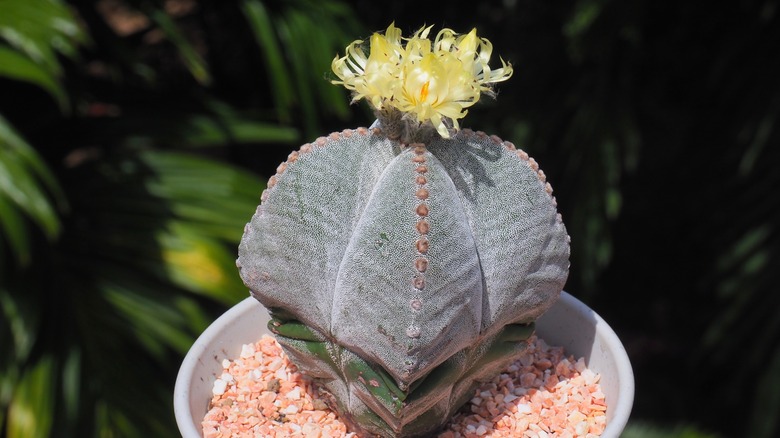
(569,323)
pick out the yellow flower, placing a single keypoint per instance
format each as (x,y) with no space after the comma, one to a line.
(432,81)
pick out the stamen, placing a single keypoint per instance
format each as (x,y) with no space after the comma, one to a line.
(424,91)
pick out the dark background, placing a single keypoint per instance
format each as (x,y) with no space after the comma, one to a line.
(136,136)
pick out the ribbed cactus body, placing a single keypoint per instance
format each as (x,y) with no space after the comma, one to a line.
(400,276)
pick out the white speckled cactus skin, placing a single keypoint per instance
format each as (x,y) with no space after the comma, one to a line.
(399,276)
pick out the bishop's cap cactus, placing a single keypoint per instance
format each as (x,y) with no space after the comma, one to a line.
(406,263)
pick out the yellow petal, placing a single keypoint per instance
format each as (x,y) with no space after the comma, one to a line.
(433,81)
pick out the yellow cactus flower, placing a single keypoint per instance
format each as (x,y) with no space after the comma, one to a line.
(432,81)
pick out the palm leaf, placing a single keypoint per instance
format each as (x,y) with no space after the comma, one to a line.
(41,29)
(298,41)
(192,59)
(31,411)
(213,126)
(133,275)
(17,66)
(98,319)
(36,31)
(638,429)
(262,28)
(27,189)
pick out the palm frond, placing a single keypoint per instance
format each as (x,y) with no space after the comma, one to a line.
(100,300)
(35,32)
(28,189)
(298,41)
(31,411)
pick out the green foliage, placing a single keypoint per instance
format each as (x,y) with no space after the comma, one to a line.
(644,430)
(298,38)
(119,213)
(27,189)
(33,34)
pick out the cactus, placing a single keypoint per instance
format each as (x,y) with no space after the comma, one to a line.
(400,275)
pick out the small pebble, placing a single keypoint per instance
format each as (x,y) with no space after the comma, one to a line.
(295,394)
(247,351)
(289,410)
(219,387)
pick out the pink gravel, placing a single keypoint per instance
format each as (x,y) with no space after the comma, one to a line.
(543,394)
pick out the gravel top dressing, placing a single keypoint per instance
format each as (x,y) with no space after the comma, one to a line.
(544,393)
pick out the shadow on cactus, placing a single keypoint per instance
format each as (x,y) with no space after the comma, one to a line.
(404,264)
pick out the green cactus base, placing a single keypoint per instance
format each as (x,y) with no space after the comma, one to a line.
(373,403)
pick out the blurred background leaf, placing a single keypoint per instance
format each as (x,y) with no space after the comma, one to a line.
(135,136)
(643,430)
(125,126)
(35,33)
(27,189)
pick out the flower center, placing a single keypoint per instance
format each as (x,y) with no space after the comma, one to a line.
(424,91)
